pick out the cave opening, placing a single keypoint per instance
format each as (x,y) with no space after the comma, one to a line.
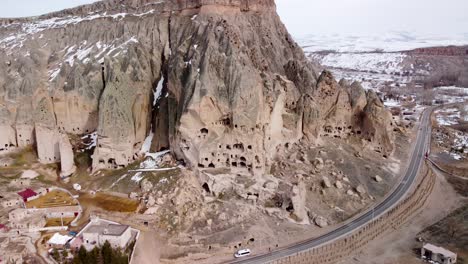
(206,187)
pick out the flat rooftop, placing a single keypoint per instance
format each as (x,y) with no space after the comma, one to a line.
(106,229)
(439,250)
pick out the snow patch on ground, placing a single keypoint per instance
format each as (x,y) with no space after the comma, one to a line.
(118,180)
(454,90)
(448,117)
(460,143)
(451,94)
(456,156)
(163,181)
(392,103)
(157,155)
(149,163)
(153,160)
(137,177)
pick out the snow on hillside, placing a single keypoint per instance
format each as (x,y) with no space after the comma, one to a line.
(368,62)
(448,117)
(29,29)
(451,94)
(454,90)
(390,42)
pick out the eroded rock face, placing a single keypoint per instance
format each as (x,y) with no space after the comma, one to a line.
(378,124)
(221,83)
(67,164)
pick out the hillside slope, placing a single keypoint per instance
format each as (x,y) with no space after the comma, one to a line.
(219,82)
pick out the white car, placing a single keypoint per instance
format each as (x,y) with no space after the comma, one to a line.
(242,253)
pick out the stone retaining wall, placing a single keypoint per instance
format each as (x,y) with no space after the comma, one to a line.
(346,246)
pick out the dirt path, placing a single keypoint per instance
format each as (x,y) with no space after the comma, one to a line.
(401,246)
(147,249)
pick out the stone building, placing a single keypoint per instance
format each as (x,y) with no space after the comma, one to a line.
(438,254)
(11,200)
(117,235)
(27,219)
(98,231)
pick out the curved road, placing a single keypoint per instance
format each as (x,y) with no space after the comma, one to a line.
(417,158)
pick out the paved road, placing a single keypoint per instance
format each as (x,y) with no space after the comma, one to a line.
(417,158)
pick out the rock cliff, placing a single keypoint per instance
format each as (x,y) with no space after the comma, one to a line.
(219,82)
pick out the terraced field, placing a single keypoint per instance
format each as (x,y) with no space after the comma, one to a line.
(55,198)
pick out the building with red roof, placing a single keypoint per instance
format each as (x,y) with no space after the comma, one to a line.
(26,194)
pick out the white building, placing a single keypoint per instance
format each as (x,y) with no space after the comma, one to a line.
(98,231)
(58,241)
(438,254)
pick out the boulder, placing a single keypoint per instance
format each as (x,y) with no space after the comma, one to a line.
(360,189)
(151,201)
(222,217)
(321,221)
(318,161)
(338,185)
(146,186)
(298,200)
(152,210)
(326,182)
(377,178)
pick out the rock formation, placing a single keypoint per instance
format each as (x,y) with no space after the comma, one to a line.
(67,164)
(219,82)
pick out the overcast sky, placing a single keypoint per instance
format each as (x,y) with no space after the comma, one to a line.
(359,17)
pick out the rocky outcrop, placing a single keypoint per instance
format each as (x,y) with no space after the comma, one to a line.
(219,82)
(342,110)
(298,200)
(378,124)
(67,163)
(7,131)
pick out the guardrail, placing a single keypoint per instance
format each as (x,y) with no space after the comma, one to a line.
(345,246)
